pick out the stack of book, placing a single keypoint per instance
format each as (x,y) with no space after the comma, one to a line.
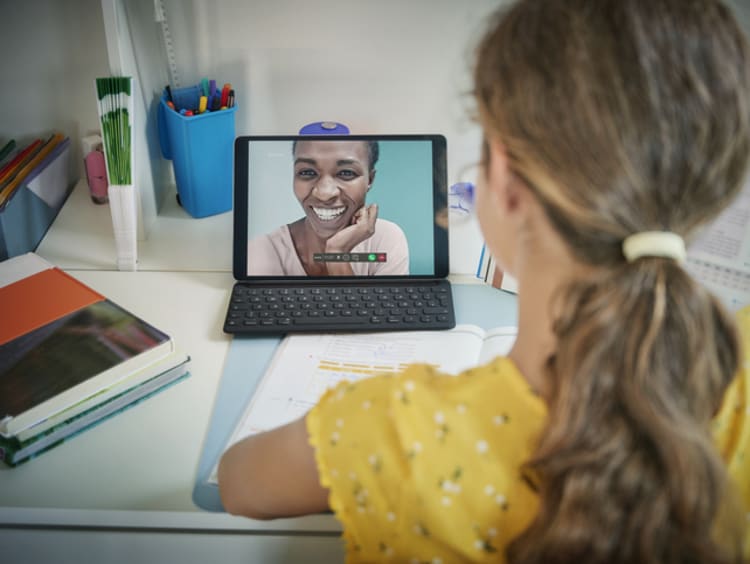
(70,358)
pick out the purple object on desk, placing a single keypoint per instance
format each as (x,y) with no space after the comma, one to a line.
(324,128)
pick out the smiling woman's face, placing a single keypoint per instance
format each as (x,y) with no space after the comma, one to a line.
(331,179)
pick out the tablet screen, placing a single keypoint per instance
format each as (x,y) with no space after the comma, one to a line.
(344,206)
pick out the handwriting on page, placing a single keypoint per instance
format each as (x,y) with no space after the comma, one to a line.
(726,237)
(720,257)
(732,286)
(306,375)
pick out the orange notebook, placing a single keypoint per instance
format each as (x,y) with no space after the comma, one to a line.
(39,299)
(62,343)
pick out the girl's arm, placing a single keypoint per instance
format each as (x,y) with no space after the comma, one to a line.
(272,475)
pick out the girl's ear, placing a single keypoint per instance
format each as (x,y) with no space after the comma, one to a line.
(500,179)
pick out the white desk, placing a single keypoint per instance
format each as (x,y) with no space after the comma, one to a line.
(121,492)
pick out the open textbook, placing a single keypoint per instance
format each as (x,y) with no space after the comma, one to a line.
(304,366)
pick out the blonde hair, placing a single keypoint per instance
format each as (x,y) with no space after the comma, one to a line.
(625,116)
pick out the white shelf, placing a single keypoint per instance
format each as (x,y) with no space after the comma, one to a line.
(81,238)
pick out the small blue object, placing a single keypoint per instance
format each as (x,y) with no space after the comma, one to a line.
(324,128)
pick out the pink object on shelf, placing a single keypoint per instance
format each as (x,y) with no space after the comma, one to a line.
(96,174)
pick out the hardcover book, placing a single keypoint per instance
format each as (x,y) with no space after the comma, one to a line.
(65,349)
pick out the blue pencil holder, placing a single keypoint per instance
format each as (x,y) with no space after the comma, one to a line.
(201,150)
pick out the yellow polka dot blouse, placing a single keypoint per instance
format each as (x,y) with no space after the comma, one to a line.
(424,468)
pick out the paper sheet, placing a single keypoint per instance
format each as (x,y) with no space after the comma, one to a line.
(725,241)
(720,257)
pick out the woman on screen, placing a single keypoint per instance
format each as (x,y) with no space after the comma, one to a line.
(339,235)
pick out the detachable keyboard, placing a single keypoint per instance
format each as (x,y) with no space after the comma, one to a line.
(272,309)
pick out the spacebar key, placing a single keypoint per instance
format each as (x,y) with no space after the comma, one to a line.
(329,320)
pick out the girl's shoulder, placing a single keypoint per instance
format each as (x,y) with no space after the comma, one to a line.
(496,383)
(405,454)
(731,425)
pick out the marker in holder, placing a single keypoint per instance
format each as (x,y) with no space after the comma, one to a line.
(201,150)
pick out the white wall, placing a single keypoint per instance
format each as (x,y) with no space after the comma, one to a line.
(51,53)
(380,66)
(385,66)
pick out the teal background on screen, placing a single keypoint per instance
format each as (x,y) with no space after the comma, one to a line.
(402,189)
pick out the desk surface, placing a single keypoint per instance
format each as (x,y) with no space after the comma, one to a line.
(139,469)
(156,443)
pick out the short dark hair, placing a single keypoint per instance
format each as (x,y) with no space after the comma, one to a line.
(373,151)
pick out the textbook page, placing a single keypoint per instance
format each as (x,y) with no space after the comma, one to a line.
(497,342)
(304,366)
(720,257)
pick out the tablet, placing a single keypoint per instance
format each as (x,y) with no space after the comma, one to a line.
(311,207)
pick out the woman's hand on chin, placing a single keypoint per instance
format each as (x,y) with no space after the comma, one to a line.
(361,229)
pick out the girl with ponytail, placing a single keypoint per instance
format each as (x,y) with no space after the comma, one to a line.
(617,430)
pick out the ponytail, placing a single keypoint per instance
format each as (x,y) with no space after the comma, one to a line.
(623,117)
(626,466)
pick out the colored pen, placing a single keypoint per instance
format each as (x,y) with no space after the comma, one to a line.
(204,86)
(230,99)
(225,93)
(7,148)
(19,158)
(202,104)
(211,88)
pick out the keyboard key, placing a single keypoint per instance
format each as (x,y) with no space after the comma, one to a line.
(328,321)
(434,310)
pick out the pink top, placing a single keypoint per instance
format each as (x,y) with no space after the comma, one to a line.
(273,254)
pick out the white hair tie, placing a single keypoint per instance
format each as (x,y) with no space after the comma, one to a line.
(654,244)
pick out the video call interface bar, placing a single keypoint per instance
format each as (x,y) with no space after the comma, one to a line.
(350,257)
